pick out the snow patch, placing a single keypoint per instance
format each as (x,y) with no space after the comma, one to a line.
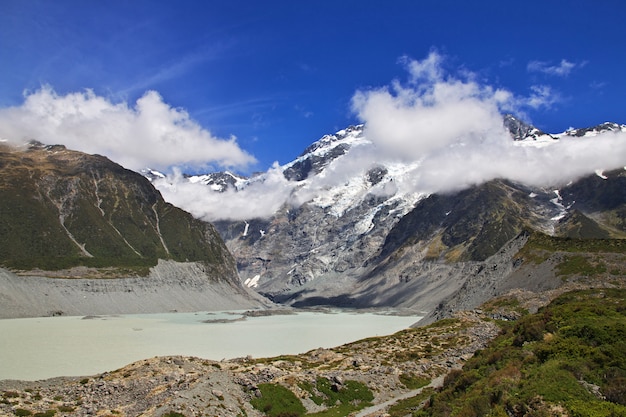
(557,201)
(540,141)
(600,174)
(252,282)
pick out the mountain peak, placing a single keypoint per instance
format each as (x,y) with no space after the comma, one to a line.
(64,208)
(521,130)
(596,130)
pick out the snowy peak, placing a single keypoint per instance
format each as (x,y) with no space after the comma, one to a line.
(322,152)
(152,174)
(596,130)
(219,181)
(523,131)
(345,136)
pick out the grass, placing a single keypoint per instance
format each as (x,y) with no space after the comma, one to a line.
(115,215)
(408,406)
(412,381)
(546,361)
(278,401)
(543,242)
(173,414)
(579,265)
(339,399)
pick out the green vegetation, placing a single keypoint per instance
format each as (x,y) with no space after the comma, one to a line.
(577,257)
(69,209)
(173,414)
(339,398)
(404,408)
(580,265)
(66,408)
(278,401)
(571,355)
(506,303)
(22,412)
(540,241)
(412,381)
(49,413)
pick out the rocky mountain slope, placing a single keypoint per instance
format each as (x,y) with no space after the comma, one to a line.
(363,240)
(71,215)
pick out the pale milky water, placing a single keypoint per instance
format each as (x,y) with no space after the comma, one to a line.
(39,348)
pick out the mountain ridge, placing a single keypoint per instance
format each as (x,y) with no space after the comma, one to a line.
(331,248)
(80,218)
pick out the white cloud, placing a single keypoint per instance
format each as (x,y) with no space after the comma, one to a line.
(427,69)
(542,96)
(430,114)
(453,128)
(150,133)
(259,199)
(447,130)
(563,69)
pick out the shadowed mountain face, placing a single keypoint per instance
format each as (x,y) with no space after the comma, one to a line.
(60,208)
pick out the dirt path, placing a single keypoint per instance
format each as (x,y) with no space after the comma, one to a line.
(374,410)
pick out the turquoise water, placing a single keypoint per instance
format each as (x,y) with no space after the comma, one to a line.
(39,348)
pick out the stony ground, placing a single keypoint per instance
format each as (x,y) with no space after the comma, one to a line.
(196,387)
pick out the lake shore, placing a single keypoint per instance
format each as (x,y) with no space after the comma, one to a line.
(38,348)
(191,385)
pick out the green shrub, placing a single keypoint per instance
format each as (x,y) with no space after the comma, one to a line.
(412,381)
(49,413)
(546,359)
(278,401)
(579,265)
(173,414)
(350,392)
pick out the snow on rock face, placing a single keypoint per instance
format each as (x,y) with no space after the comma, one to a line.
(600,174)
(252,282)
(595,130)
(219,181)
(341,209)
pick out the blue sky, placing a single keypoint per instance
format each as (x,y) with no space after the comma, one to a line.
(278,75)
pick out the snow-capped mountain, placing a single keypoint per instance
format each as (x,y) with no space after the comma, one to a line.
(521,130)
(357,232)
(596,130)
(220,181)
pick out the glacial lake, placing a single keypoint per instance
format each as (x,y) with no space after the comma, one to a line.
(45,347)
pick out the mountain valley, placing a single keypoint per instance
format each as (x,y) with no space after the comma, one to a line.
(522,287)
(363,238)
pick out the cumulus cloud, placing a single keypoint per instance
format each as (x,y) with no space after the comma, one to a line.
(148,133)
(447,131)
(562,69)
(452,128)
(259,199)
(542,96)
(430,113)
